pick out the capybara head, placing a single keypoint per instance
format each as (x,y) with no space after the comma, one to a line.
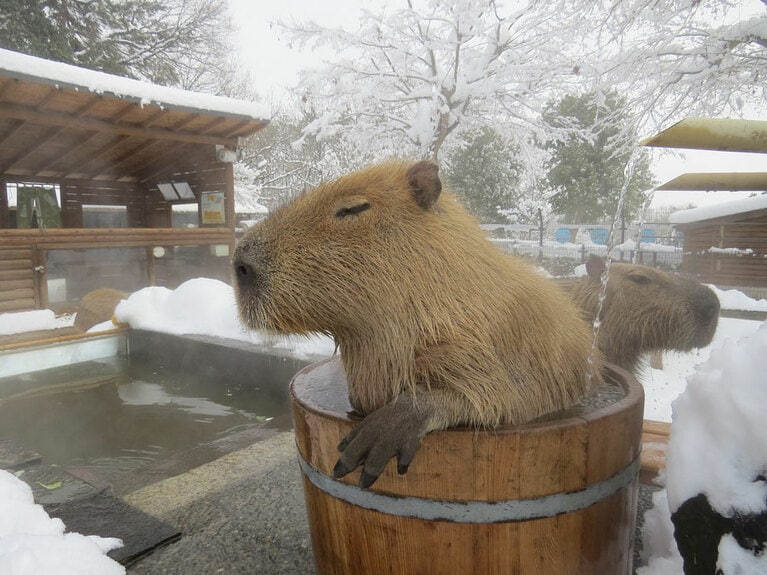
(646,309)
(97,307)
(336,257)
(403,278)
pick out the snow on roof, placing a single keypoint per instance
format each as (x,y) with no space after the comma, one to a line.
(720,210)
(31,68)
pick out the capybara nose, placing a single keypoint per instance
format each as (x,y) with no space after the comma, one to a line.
(707,304)
(243,271)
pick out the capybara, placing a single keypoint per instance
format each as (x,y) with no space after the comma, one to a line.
(435,326)
(97,307)
(645,310)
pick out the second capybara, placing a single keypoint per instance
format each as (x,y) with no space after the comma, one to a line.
(435,326)
(97,307)
(645,310)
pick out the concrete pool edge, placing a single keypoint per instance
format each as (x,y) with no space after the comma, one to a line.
(38,355)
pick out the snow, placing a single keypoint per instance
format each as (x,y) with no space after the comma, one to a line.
(717,447)
(662,386)
(22,66)
(32,543)
(719,210)
(11,323)
(717,444)
(206,306)
(737,300)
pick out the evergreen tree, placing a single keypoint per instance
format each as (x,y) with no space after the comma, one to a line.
(168,42)
(589,154)
(483,172)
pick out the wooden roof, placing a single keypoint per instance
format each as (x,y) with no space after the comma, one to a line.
(65,123)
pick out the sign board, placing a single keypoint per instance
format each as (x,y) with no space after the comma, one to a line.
(212,208)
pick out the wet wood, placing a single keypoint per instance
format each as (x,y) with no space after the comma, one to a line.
(655,437)
(567,454)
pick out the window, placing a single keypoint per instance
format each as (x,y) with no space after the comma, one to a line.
(95,216)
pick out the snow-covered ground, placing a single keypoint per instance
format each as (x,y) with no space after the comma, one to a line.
(32,543)
(205,306)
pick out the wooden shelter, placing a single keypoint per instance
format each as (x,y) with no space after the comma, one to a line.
(92,169)
(724,244)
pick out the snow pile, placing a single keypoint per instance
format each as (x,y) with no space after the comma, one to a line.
(718,445)
(206,306)
(662,386)
(718,448)
(736,299)
(20,322)
(32,543)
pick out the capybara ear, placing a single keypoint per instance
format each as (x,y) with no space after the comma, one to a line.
(595,267)
(423,179)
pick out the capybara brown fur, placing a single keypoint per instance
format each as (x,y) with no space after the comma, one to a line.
(97,307)
(645,310)
(435,326)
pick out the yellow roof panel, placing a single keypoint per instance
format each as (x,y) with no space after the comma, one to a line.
(719,181)
(713,134)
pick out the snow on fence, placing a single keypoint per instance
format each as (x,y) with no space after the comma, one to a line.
(651,254)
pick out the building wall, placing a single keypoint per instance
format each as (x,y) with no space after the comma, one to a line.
(729,251)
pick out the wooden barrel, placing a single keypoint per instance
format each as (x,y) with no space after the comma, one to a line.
(555,496)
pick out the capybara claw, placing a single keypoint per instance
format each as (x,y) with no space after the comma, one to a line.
(340,469)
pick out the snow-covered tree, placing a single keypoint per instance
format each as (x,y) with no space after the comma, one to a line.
(184,43)
(682,58)
(409,78)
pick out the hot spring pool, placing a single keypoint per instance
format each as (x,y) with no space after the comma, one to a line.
(169,404)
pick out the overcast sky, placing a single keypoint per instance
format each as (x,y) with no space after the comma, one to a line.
(275,66)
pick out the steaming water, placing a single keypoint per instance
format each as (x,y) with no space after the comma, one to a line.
(138,415)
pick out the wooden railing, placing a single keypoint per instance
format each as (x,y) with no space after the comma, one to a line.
(23,280)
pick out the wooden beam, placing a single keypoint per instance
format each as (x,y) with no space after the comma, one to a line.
(55,157)
(63,158)
(161,113)
(159,165)
(112,237)
(113,143)
(126,157)
(91,124)
(12,131)
(29,150)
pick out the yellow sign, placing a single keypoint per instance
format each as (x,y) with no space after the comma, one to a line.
(212,208)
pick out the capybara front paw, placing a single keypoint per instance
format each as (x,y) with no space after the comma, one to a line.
(384,434)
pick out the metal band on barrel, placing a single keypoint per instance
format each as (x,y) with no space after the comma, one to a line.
(473,511)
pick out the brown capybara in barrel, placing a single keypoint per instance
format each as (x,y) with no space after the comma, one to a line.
(97,307)
(645,310)
(435,326)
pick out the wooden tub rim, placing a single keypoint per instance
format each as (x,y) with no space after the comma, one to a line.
(633,390)
(483,512)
